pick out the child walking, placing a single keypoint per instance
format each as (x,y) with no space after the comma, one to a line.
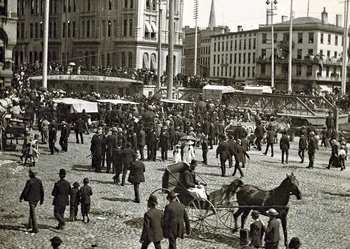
(85,200)
(74,202)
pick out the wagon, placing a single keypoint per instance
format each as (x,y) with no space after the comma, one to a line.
(205,214)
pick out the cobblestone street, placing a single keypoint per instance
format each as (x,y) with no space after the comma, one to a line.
(320,219)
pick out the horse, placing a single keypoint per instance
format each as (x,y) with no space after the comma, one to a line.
(250,197)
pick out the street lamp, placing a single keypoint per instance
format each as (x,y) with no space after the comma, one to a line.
(271,12)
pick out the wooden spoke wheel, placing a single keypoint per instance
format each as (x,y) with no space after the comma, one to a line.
(203,217)
(225,215)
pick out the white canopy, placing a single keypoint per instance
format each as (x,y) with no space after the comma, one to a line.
(215,92)
(117,101)
(223,89)
(176,101)
(78,105)
(257,89)
(324,88)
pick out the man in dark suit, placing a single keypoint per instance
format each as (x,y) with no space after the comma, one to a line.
(164,143)
(302,146)
(111,143)
(61,192)
(96,150)
(33,192)
(175,220)
(79,128)
(259,134)
(256,231)
(65,131)
(272,231)
(284,146)
(270,139)
(152,225)
(53,137)
(128,155)
(311,149)
(136,176)
(224,151)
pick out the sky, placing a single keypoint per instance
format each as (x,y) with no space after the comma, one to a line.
(251,13)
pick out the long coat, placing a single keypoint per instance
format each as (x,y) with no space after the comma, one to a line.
(272,231)
(136,172)
(61,192)
(284,143)
(152,225)
(96,145)
(223,150)
(33,191)
(303,142)
(175,220)
(85,193)
(256,233)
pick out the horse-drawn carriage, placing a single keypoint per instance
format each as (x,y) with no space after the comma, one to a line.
(226,204)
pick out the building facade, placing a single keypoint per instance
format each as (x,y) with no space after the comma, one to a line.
(122,33)
(8,20)
(317,53)
(233,55)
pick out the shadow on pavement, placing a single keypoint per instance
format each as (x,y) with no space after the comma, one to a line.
(115,199)
(82,167)
(22,227)
(103,182)
(135,223)
(220,238)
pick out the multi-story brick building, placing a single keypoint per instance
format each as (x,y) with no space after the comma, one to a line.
(98,33)
(8,22)
(233,55)
(317,53)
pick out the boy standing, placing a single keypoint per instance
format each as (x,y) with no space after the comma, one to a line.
(257,230)
(74,202)
(85,193)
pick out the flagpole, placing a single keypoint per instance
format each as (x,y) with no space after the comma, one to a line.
(45,43)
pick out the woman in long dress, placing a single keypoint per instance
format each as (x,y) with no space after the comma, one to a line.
(188,152)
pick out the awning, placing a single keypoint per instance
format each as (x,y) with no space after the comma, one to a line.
(154,27)
(324,88)
(176,101)
(148,27)
(117,102)
(223,89)
(78,105)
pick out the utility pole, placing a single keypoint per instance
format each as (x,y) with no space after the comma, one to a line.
(195,16)
(171,50)
(45,42)
(272,13)
(290,65)
(345,47)
(159,64)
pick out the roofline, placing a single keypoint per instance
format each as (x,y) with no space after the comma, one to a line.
(237,32)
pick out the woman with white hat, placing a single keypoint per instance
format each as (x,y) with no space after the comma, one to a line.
(188,152)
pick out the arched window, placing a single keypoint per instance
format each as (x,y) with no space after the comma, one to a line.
(130,60)
(148,4)
(153,62)
(145,61)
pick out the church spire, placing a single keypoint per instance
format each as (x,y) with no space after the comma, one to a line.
(212,22)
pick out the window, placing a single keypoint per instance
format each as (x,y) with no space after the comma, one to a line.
(36,30)
(83,29)
(74,6)
(103,28)
(54,30)
(336,40)
(253,57)
(148,4)
(125,30)
(231,45)
(309,70)
(310,52)
(335,54)
(240,44)
(311,37)
(321,39)
(130,59)
(230,58)
(298,73)
(263,53)
(130,27)
(69,8)
(239,58)
(275,37)
(88,5)
(300,37)
(226,45)
(329,40)
(250,43)
(243,71)
(327,71)
(248,57)
(245,44)
(299,54)
(235,59)
(131,4)
(125,3)
(223,46)
(214,59)
(235,44)
(248,71)
(73,29)
(328,54)
(213,71)
(87,28)
(243,57)
(68,34)
(285,37)
(110,4)
(254,43)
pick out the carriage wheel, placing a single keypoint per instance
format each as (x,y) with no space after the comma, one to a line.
(203,216)
(161,194)
(226,216)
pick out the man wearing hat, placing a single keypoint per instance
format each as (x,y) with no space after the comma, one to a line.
(257,230)
(79,128)
(136,176)
(311,149)
(96,150)
(194,187)
(56,242)
(152,225)
(128,155)
(294,243)
(85,199)
(175,220)
(141,142)
(272,231)
(61,192)
(53,137)
(33,192)
(65,131)
(111,143)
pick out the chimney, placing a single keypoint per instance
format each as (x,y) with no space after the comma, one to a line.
(239,28)
(324,16)
(284,18)
(338,20)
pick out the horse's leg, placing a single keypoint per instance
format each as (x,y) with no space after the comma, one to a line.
(244,217)
(236,215)
(284,226)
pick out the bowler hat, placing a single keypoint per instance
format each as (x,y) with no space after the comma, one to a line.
(194,162)
(62,172)
(153,200)
(171,194)
(32,173)
(272,212)
(76,185)
(56,240)
(255,213)
(86,180)
(294,243)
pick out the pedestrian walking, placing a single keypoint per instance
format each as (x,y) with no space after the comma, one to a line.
(164,144)
(205,149)
(33,151)
(259,134)
(152,225)
(257,230)
(79,128)
(96,150)
(53,137)
(141,141)
(128,155)
(111,143)
(136,176)
(117,160)
(224,151)
(44,130)
(65,131)
(270,139)
(284,146)
(241,155)
(272,230)
(188,152)
(74,201)
(175,220)
(33,193)
(61,192)
(85,199)
(302,146)
(311,149)
(177,154)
